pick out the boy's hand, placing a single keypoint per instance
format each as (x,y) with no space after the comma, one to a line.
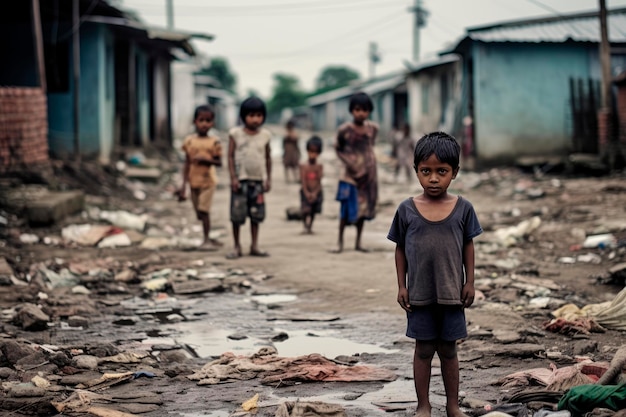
(234,184)
(403,299)
(467,295)
(181,194)
(267,186)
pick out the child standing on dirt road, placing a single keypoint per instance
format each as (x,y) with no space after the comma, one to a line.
(434,234)
(202,154)
(358,183)
(291,152)
(311,172)
(250,167)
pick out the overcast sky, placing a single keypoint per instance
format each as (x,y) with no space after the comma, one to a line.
(300,37)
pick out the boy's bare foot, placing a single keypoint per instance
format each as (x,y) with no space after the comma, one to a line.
(207,246)
(259,253)
(361,249)
(338,249)
(216,242)
(422,412)
(235,253)
(455,412)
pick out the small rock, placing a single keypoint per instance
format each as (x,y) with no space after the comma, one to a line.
(86,362)
(40,382)
(126,275)
(280,337)
(27,390)
(31,318)
(126,321)
(175,318)
(29,238)
(78,321)
(60,359)
(582,347)
(237,336)
(14,351)
(81,289)
(6,373)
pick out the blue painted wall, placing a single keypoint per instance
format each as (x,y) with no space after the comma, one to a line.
(521,97)
(97,98)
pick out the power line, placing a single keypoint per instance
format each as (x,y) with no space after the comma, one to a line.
(322,8)
(263,7)
(545,7)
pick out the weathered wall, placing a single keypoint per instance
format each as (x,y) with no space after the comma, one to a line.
(23,129)
(521,97)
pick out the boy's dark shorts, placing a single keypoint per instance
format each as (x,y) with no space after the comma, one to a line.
(311,208)
(248,201)
(436,322)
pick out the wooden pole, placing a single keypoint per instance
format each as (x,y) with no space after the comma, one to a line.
(38,35)
(76,70)
(605,57)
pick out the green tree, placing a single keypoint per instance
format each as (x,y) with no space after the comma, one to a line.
(219,68)
(334,76)
(286,93)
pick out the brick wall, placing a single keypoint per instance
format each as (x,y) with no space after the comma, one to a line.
(23,128)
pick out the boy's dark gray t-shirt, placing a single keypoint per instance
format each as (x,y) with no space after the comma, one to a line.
(434,251)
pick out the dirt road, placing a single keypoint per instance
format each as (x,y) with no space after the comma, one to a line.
(344,304)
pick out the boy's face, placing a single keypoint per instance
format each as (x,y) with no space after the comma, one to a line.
(313,153)
(435,176)
(253,120)
(360,114)
(204,122)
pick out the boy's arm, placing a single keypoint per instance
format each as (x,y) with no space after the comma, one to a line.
(234,182)
(183,188)
(268,167)
(403,292)
(467,295)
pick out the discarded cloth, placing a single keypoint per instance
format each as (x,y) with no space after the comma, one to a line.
(557,379)
(610,314)
(309,409)
(265,364)
(584,398)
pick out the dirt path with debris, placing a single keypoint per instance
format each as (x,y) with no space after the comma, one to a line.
(316,302)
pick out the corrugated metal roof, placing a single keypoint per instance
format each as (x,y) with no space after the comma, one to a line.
(580,27)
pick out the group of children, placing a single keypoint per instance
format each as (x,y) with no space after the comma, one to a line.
(433,231)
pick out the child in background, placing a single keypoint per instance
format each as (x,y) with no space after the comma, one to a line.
(358,183)
(434,258)
(311,173)
(291,152)
(202,154)
(405,145)
(250,167)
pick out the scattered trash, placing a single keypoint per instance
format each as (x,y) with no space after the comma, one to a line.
(602,241)
(251,403)
(509,236)
(125,220)
(29,238)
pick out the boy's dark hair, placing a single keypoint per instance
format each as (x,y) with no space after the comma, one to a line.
(204,108)
(290,124)
(252,105)
(444,146)
(316,142)
(361,100)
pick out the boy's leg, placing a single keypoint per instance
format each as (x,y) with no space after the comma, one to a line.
(237,246)
(311,219)
(342,226)
(256,212)
(359,231)
(450,374)
(422,361)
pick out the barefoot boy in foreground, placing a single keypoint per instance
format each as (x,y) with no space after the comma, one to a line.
(434,234)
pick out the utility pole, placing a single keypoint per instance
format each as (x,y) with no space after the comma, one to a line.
(607,140)
(169,12)
(419,22)
(373,58)
(76,71)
